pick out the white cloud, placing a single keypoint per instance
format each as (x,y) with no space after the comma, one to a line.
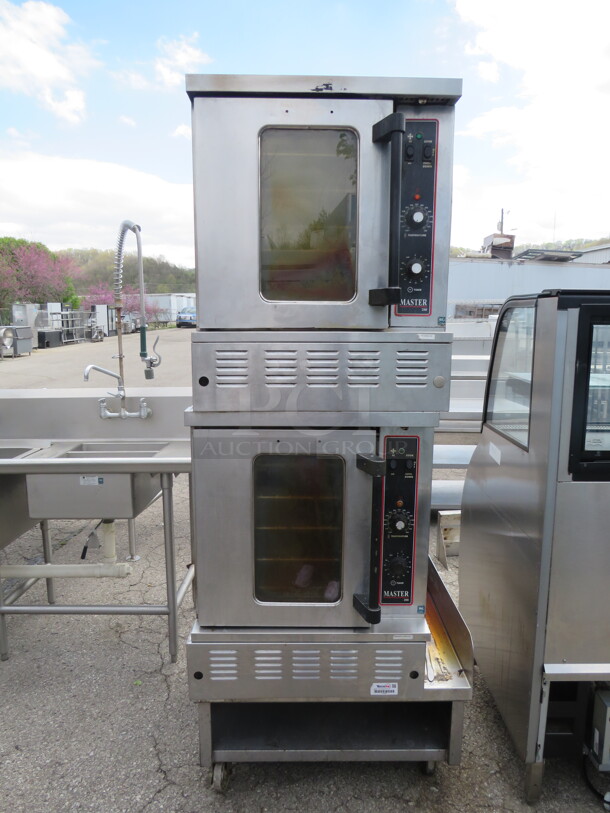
(133,79)
(80,204)
(129,122)
(552,167)
(36,59)
(182,131)
(177,58)
(488,71)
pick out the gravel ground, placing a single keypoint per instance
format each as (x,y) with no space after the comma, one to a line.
(95,717)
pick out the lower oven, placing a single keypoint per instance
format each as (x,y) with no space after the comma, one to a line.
(310,528)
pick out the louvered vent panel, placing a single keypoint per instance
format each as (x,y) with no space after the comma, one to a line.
(222,664)
(268,664)
(306,664)
(231,368)
(322,368)
(363,368)
(412,368)
(281,368)
(344,664)
(389,664)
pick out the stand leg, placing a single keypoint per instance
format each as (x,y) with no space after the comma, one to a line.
(48,557)
(131,530)
(3,632)
(533,781)
(167,483)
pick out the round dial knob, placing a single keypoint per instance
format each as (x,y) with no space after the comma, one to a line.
(399,522)
(416,218)
(416,267)
(398,567)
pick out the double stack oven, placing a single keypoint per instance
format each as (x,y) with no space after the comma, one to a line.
(320,365)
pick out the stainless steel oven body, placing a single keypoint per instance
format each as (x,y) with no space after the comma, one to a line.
(320,367)
(283,523)
(299,372)
(335,201)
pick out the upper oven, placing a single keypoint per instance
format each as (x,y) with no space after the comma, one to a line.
(318,207)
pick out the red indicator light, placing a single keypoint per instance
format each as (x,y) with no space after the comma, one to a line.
(417,196)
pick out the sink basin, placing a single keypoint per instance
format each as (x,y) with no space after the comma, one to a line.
(11,452)
(94,495)
(115,448)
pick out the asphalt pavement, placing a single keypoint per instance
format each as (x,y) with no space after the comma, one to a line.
(95,717)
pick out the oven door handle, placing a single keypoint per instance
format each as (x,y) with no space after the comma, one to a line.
(368,605)
(392,128)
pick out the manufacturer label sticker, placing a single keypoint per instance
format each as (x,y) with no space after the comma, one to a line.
(378,689)
(91,480)
(495,453)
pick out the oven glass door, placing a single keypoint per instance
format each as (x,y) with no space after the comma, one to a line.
(298,527)
(282,523)
(291,212)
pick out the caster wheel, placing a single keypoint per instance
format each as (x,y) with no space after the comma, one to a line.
(220,777)
(428,768)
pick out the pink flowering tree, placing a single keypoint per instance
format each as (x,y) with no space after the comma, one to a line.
(29,272)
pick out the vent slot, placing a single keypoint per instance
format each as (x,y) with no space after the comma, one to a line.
(344,664)
(389,665)
(363,368)
(268,664)
(306,664)
(222,664)
(231,368)
(322,368)
(412,368)
(281,368)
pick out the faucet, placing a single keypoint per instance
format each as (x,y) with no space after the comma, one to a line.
(143,412)
(121,387)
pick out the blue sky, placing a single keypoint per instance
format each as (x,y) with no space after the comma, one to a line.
(94,120)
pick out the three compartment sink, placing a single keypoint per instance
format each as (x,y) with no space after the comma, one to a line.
(91,495)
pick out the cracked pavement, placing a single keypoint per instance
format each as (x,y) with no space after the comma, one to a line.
(95,717)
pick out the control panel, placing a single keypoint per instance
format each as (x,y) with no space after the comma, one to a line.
(417,206)
(397,554)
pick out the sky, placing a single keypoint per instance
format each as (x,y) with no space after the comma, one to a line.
(95,121)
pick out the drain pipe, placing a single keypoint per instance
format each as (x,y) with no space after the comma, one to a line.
(108,540)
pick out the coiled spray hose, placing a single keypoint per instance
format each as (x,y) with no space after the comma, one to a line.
(152,360)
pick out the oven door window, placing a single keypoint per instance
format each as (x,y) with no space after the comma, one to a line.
(308,214)
(298,528)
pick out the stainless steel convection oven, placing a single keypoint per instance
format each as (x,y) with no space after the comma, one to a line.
(320,366)
(534,551)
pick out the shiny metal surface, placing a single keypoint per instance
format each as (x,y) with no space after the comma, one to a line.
(534,557)
(227,225)
(502,556)
(373,372)
(441,91)
(222,465)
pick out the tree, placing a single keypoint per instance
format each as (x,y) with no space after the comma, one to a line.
(29,272)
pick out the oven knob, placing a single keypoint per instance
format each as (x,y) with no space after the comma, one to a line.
(399,522)
(398,567)
(415,266)
(416,218)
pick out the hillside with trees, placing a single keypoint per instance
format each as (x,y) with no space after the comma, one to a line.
(96,268)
